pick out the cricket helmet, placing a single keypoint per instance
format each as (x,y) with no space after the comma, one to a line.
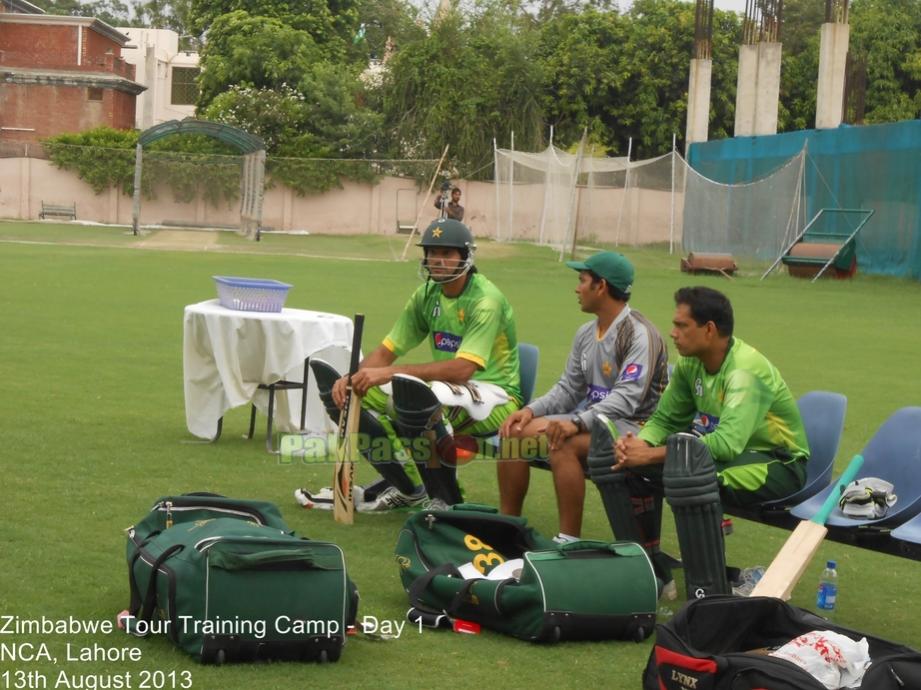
(448,233)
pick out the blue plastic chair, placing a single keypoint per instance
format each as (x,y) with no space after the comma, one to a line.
(823,416)
(528,356)
(909,532)
(893,454)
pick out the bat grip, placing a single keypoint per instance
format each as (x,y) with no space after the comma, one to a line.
(846,478)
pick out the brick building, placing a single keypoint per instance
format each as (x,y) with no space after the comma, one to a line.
(61,74)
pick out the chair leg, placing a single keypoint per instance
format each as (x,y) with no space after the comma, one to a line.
(304,395)
(252,421)
(269,441)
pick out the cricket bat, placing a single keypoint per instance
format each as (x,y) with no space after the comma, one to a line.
(347,440)
(790,562)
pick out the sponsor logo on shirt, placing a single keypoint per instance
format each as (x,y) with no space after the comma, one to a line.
(632,372)
(698,388)
(597,394)
(447,342)
(705,423)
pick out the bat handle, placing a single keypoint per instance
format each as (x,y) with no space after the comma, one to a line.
(846,478)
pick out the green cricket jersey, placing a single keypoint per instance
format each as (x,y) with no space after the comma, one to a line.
(477,325)
(745,406)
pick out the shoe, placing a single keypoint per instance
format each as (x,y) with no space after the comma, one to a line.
(435,504)
(323,499)
(390,499)
(560,539)
(669,591)
(748,578)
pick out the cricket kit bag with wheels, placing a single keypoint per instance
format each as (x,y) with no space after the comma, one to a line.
(226,580)
(459,564)
(724,643)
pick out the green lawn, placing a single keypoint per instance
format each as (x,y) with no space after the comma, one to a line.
(93,432)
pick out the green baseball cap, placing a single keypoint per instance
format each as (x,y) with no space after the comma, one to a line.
(613,267)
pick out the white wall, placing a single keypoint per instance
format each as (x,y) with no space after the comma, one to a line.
(154,53)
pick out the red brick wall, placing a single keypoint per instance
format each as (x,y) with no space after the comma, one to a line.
(55,109)
(55,47)
(39,45)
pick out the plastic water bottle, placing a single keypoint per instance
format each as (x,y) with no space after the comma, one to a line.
(827,596)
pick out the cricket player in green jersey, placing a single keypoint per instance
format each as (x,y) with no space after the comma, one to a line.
(747,443)
(471,385)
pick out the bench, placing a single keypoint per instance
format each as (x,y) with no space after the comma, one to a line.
(58,211)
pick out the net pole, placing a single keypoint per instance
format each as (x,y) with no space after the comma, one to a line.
(572,220)
(422,209)
(671,222)
(136,201)
(511,187)
(495,156)
(623,196)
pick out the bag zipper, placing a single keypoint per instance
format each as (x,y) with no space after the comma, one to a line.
(231,509)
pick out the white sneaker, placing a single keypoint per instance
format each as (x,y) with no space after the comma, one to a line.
(389,499)
(323,499)
(669,591)
(435,504)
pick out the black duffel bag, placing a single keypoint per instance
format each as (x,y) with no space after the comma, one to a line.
(720,643)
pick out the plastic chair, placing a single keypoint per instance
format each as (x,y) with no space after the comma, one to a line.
(823,416)
(528,356)
(893,454)
(909,536)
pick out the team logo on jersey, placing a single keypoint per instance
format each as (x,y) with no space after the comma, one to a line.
(632,372)
(597,393)
(446,342)
(461,315)
(606,368)
(698,388)
(436,312)
(705,423)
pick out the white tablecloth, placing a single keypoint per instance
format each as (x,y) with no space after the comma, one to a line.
(226,354)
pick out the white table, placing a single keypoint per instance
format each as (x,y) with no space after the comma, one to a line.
(227,354)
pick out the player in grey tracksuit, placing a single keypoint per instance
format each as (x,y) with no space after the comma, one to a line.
(618,366)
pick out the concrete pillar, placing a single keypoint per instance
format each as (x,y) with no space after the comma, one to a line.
(698,101)
(758,89)
(829,99)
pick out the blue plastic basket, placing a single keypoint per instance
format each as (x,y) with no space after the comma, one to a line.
(251,294)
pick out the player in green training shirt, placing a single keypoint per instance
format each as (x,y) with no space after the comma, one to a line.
(473,378)
(747,426)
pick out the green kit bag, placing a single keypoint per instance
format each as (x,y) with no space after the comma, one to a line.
(586,590)
(226,580)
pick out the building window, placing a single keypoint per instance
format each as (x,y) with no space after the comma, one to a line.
(94,93)
(184,88)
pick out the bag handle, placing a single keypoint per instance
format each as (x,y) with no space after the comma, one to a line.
(586,545)
(421,583)
(150,597)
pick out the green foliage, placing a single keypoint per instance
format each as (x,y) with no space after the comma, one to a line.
(101,157)
(462,85)
(888,33)
(625,76)
(188,166)
(251,50)
(330,24)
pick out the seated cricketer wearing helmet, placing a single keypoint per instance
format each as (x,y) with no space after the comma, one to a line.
(470,386)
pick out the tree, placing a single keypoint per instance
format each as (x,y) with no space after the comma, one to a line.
(330,23)
(260,52)
(468,81)
(888,33)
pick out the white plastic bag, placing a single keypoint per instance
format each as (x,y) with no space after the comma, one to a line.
(833,659)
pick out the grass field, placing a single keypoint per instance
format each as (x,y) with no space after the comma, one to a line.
(93,431)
